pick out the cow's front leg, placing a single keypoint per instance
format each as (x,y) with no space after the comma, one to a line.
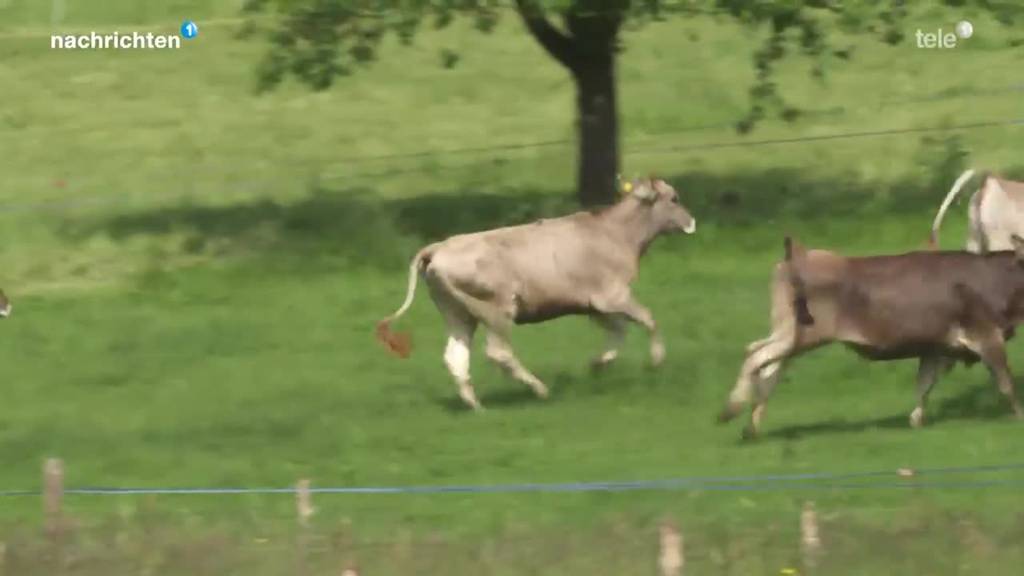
(636,312)
(988,343)
(615,328)
(993,353)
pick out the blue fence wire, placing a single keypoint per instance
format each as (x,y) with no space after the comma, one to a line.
(803,481)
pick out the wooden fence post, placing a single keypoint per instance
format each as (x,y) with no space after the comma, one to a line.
(53,502)
(303,502)
(810,541)
(303,511)
(671,560)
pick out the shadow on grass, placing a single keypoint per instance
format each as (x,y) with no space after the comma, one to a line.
(508,397)
(979,402)
(381,232)
(349,223)
(504,392)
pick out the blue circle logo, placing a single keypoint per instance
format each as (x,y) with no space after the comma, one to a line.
(189,30)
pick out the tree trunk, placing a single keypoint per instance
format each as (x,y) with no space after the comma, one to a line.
(587,49)
(598,131)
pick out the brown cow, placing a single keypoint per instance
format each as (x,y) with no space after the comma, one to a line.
(938,307)
(583,263)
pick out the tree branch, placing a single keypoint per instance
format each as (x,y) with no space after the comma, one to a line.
(556,43)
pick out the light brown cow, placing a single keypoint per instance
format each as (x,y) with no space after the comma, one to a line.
(5,305)
(583,263)
(994,214)
(938,307)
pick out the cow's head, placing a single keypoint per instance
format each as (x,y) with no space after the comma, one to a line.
(666,211)
(5,305)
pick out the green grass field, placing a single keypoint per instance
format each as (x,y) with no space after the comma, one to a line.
(197,270)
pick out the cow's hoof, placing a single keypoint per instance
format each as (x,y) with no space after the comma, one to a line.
(730,411)
(749,432)
(917,418)
(542,392)
(657,354)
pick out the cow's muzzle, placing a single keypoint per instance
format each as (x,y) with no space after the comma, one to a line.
(6,311)
(690,227)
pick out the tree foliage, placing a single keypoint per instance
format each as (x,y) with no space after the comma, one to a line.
(318,41)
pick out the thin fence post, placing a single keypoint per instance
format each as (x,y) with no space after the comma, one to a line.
(53,495)
(810,541)
(304,511)
(303,502)
(53,501)
(671,559)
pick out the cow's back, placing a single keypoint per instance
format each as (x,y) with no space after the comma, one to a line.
(543,269)
(918,296)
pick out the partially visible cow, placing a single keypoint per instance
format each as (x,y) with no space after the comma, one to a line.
(583,263)
(937,307)
(5,305)
(994,214)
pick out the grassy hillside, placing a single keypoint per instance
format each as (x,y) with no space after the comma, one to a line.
(197,269)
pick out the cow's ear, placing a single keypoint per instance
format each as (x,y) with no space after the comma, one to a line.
(644,191)
(1018,246)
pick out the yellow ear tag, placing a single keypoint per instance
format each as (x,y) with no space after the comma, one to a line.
(627,187)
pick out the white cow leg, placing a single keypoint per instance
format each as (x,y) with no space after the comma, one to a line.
(500,352)
(779,346)
(615,328)
(461,328)
(456,357)
(768,377)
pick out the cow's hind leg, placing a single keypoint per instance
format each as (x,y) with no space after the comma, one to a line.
(615,328)
(500,352)
(456,357)
(928,370)
(779,345)
(461,327)
(767,378)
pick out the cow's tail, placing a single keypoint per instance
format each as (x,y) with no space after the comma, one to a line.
(400,343)
(933,240)
(794,259)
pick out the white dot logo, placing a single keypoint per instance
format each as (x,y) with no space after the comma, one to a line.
(964,29)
